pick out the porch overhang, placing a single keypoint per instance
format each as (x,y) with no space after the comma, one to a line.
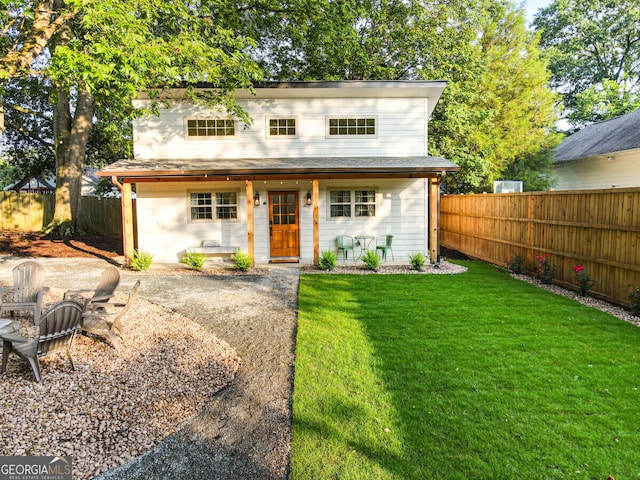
(145,170)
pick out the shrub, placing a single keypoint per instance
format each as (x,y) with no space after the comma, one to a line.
(141,260)
(371,260)
(241,260)
(516,264)
(194,260)
(328,260)
(417,260)
(634,298)
(544,270)
(583,280)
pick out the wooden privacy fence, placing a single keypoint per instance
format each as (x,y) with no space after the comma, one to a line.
(599,229)
(32,211)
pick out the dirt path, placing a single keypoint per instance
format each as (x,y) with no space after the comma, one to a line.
(244,431)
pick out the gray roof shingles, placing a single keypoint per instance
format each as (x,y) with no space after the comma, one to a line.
(615,135)
(291,166)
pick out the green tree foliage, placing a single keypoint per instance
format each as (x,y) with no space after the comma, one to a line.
(594,50)
(497,108)
(97,54)
(505,115)
(27,143)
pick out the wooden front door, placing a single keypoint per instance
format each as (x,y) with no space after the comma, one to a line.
(284,237)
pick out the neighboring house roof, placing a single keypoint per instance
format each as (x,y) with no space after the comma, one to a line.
(32,184)
(38,184)
(282,167)
(615,135)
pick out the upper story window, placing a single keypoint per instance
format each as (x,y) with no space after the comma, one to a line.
(351,126)
(352,203)
(211,127)
(282,127)
(202,206)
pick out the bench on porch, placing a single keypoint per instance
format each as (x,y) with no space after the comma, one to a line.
(212,247)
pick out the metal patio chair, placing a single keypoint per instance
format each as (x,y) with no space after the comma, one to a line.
(28,290)
(346,245)
(384,243)
(105,319)
(58,327)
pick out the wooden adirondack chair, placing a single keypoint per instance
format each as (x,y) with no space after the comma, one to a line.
(109,281)
(105,319)
(28,290)
(58,327)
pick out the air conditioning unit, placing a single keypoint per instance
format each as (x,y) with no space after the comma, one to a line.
(507,186)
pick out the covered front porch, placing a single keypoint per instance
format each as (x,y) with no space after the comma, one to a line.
(270,191)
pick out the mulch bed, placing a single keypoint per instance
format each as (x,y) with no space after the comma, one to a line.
(35,244)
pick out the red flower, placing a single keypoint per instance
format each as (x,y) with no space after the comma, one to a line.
(578,268)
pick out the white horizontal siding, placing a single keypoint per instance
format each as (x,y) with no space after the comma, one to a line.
(400,212)
(165,231)
(401,130)
(621,169)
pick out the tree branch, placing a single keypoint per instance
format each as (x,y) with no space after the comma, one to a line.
(45,25)
(29,134)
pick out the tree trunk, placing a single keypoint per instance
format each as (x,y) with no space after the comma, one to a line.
(47,21)
(71,149)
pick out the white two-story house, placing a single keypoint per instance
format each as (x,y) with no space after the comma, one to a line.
(319,160)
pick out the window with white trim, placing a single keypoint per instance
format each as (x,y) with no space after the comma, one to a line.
(352,203)
(202,206)
(340,203)
(351,126)
(365,203)
(211,127)
(282,127)
(226,205)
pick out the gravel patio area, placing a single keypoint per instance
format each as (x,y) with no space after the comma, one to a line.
(113,407)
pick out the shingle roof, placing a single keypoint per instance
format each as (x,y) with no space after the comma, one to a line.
(615,135)
(285,167)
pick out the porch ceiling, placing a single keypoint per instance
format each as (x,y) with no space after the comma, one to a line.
(267,168)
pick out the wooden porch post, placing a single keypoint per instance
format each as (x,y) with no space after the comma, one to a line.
(315,196)
(126,206)
(434,205)
(250,237)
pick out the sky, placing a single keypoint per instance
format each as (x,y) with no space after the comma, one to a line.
(532,7)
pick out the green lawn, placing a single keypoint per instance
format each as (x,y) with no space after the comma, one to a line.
(463,376)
